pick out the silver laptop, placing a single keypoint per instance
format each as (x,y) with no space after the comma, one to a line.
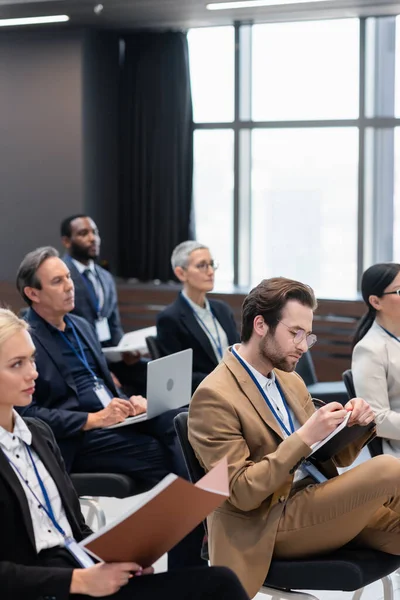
(169,386)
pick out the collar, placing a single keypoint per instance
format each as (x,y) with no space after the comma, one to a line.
(82,268)
(49,326)
(21,432)
(198,309)
(262,380)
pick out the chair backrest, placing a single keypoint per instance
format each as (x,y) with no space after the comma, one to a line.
(349,383)
(375,445)
(154,348)
(194,468)
(305,368)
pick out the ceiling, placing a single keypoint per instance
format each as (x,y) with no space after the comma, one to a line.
(182,14)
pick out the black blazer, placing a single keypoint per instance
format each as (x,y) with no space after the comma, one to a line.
(84,306)
(55,400)
(178,329)
(20,576)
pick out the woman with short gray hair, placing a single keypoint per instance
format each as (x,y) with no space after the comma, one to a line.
(194,321)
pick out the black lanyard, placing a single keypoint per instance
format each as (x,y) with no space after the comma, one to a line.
(391,334)
(267,400)
(48,509)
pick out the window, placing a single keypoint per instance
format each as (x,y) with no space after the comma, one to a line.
(301,177)
(304,207)
(213,197)
(306,70)
(396,207)
(212,57)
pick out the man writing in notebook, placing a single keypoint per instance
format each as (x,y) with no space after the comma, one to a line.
(261,416)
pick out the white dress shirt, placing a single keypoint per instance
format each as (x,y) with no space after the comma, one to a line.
(92,275)
(268,384)
(210,325)
(13,446)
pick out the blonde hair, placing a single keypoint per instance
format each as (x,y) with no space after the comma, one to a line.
(10,324)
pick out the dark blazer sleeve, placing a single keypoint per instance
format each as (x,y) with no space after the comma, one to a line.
(51,392)
(25,582)
(21,582)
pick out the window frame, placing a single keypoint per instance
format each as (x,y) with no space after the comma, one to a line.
(375,197)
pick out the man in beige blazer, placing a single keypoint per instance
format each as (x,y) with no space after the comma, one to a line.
(254,409)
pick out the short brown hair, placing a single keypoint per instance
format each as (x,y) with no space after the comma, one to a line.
(268,300)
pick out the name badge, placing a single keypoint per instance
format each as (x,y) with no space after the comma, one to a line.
(102,394)
(81,557)
(103,330)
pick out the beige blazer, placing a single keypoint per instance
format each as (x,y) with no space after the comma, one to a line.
(229,417)
(376,372)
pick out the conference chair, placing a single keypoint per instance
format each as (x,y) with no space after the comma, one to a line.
(344,570)
(328,391)
(91,486)
(375,445)
(154,348)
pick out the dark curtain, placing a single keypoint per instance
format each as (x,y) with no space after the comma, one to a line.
(156,153)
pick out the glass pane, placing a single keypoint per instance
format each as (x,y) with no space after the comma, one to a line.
(213,197)
(306,70)
(397,69)
(396,224)
(212,73)
(304,207)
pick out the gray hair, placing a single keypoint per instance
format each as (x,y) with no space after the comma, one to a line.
(181,254)
(26,275)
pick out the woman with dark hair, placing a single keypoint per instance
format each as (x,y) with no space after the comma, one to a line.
(376,351)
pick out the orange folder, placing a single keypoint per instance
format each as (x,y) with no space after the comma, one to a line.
(168,513)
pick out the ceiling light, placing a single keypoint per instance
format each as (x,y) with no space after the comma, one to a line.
(256,3)
(33,20)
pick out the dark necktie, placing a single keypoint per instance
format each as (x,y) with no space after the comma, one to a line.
(88,276)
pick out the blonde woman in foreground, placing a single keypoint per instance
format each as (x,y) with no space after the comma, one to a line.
(40,517)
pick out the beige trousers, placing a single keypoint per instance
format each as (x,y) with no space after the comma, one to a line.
(361,506)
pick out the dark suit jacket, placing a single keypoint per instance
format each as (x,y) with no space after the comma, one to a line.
(20,576)
(55,400)
(178,329)
(84,306)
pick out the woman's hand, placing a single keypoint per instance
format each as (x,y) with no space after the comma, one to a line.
(105,579)
(361,412)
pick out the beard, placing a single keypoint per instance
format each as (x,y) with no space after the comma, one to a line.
(82,254)
(270,350)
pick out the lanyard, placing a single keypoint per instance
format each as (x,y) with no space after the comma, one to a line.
(81,354)
(217,342)
(309,467)
(92,293)
(267,400)
(391,334)
(48,509)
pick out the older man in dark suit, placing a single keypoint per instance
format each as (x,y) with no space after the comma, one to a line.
(76,396)
(96,296)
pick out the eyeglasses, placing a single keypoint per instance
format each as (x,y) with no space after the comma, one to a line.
(300,335)
(397,292)
(204,266)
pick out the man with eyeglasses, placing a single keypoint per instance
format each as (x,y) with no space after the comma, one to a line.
(194,321)
(256,410)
